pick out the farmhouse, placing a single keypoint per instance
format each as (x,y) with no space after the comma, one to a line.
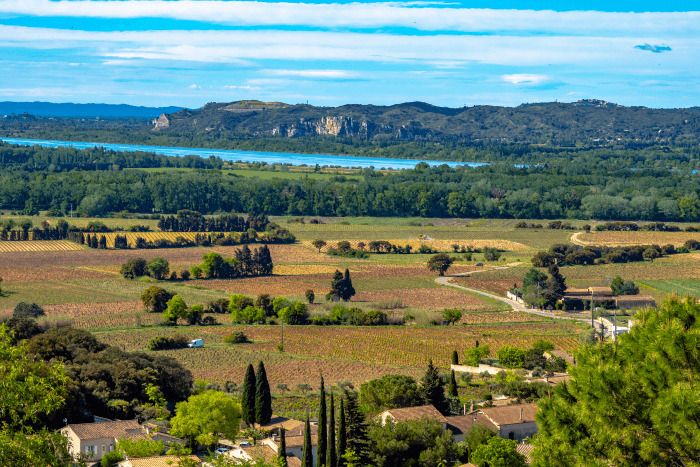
(580,298)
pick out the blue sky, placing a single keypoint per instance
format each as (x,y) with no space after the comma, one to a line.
(453,53)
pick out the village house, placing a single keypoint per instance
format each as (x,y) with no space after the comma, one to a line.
(158,461)
(91,441)
(407,414)
(512,421)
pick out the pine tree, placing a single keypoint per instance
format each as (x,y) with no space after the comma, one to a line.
(263,398)
(342,435)
(282,452)
(248,396)
(356,427)
(321,435)
(307,456)
(432,387)
(331,457)
(452,385)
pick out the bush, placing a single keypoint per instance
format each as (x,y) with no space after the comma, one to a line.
(310,296)
(295,313)
(111,459)
(155,299)
(27,310)
(248,315)
(167,343)
(135,267)
(237,337)
(218,306)
(491,254)
(184,275)
(158,268)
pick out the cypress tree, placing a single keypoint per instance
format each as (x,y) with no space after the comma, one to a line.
(331,457)
(342,435)
(452,386)
(248,396)
(455,357)
(282,452)
(336,286)
(307,456)
(348,291)
(432,387)
(263,398)
(321,434)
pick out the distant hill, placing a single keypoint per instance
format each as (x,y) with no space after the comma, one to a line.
(70,110)
(592,122)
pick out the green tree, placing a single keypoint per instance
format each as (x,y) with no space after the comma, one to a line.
(389,392)
(31,390)
(451,316)
(155,299)
(332,455)
(322,437)
(440,263)
(356,426)
(477,436)
(307,456)
(511,357)
(282,452)
(133,268)
(535,287)
(432,388)
(629,402)
(342,435)
(248,396)
(158,268)
(498,452)
(135,448)
(177,308)
(263,398)
(310,296)
(204,417)
(452,387)
(474,355)
(319,244)
(214,266)
(27,310)
(295,313)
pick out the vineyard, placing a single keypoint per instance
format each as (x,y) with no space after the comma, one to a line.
(613,238)
(150,236)
(38,245)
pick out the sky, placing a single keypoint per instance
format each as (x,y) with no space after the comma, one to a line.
(449,53)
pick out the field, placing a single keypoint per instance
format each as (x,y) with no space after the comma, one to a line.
(635,238)
(38,245)
(83,286)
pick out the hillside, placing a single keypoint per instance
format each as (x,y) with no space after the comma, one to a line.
(588,122)
(50,109)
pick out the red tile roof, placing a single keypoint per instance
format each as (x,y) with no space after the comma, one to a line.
(511,414)
(114,429)
(416,413)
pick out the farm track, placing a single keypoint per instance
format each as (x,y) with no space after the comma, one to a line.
(515,306)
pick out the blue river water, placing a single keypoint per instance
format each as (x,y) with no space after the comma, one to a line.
(248,156)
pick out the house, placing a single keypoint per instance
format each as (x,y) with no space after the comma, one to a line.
(512,421)
(94,440)
(407,414)
(91,441)
(158,461)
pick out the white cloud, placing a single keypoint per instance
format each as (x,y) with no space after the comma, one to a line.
(194,86)
(320,74)
(370,15)
(525,79)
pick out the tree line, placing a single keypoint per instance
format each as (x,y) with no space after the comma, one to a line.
(193,221)
(660,188)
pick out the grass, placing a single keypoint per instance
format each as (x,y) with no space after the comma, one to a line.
(271,174)
(673,286)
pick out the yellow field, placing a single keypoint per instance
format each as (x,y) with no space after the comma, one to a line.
(633,238)
(303,270)
(38,245)
(148,236)
(437,244)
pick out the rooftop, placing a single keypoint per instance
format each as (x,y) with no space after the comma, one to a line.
(416,413)
(158,461)
(511,414)
(465,423)
(113,429)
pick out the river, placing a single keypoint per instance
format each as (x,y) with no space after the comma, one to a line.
(235,155)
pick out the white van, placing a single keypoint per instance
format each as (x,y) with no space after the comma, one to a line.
(196,344)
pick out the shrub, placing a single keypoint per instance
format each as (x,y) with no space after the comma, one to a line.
(491,254)
(220,305)
(237,337)
(310,296)
(167,343)
(155,299)
(295,313)
(111,459)
(158,268)
(184,275)
(249,315)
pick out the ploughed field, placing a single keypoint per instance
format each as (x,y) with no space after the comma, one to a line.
(83,286)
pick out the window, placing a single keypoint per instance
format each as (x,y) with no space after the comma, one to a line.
(90,450)
(511,435)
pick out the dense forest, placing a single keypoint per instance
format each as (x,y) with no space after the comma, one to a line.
(632,185)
